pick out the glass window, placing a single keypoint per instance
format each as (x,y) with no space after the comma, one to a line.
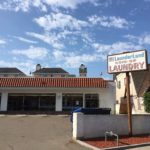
(72,101)
(91,100)
(5,75)
(31,102)
(119,84)
(63,75)
(47,102)
(45,75)
(15,103)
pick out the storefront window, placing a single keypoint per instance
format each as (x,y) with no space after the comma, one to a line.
(91,100)
(15,102)
(72,101)
(47,102)
(31,102)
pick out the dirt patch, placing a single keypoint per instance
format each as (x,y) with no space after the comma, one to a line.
(123,141)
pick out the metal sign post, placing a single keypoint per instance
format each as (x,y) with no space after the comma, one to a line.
(129,108)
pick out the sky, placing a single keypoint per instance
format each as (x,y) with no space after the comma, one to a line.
(67,33)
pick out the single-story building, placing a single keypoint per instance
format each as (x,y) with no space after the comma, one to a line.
(55,94)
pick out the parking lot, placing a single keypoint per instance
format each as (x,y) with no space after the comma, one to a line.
(36,132)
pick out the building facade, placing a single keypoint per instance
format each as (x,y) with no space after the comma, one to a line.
(50,72)
(55,94)
(139,84)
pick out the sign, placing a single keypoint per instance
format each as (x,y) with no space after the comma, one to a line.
(127,62)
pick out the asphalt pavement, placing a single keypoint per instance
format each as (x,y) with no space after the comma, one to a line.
(36,132)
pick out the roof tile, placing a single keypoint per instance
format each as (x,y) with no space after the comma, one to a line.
(54,82)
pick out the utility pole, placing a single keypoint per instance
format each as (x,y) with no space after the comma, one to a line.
(129,107)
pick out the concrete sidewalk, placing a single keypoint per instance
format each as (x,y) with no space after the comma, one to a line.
(141,148)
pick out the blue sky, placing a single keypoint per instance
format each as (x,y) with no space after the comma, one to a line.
(67,33)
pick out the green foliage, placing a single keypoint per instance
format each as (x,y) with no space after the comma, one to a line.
(147,102)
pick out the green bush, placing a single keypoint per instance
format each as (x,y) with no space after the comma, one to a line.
(147,102)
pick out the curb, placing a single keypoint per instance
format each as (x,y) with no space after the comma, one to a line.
(128,146)
(87,145)
(112,148)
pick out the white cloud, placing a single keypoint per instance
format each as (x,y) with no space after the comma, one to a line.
(62,3)
(25,5)
(32,52)
(134,11)
(110,21)
(76,60)
(72,4)
(72,59)
(15,5)
(120,2)
(50,39)
(25,66)
(25,40)
(60,21)
(142,40)
(146,39)
(2,42)
(115,47)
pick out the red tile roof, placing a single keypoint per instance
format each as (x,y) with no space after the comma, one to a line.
(54,82)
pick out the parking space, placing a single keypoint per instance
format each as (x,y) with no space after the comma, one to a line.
(36,132)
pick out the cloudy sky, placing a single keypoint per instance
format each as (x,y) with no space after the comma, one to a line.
(67,33)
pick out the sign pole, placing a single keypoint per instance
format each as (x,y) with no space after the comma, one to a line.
(129,104)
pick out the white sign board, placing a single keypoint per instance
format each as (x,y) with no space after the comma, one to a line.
(126,62)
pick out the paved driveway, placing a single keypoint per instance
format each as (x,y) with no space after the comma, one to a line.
(45,132)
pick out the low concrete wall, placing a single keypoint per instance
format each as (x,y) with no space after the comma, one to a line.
(91,126)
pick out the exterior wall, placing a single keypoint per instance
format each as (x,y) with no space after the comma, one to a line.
(12,75)
(137,101)
(52,75)
(120,91)
(4,99)
(58,102)
(92,126)
(106,95)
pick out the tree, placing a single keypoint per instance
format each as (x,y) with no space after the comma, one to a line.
(147,101)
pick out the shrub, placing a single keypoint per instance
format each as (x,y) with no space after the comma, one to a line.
(147,101)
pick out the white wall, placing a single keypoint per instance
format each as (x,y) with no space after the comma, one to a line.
(91,126)
(4,99)
(58,102)
(107,97)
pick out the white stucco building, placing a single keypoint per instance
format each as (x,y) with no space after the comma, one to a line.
(55,94)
